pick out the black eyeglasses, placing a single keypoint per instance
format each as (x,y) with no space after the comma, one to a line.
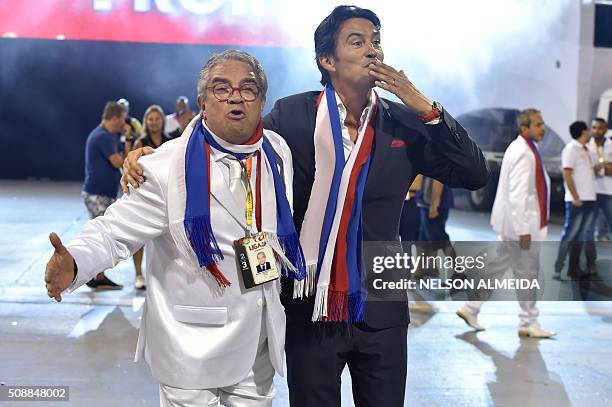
(222,91)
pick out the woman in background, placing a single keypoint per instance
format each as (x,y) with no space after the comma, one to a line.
(152,136)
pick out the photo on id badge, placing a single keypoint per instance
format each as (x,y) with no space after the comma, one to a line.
(256,260)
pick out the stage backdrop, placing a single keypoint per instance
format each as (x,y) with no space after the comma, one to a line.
(61,60)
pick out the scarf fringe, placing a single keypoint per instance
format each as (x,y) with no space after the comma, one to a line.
(218,275)
(337,306)
(306,287)
(179,235)
(356,308)
(203,242)
(320,307)
(294,265)
(278,250)
(178,231)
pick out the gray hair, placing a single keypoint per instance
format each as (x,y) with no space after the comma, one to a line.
(524,118)
(233,55)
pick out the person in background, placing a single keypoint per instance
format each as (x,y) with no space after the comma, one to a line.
(434,201)
(579,177)
(520,216)
(172,120)
(601,155)
(184,120)
(132,121)
(103,159)
(152,136)
(410,220)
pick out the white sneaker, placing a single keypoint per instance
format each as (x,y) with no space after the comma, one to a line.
(534,331)
(139,283)
(470,318)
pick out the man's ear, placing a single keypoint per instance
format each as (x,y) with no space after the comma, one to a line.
(201,102)
(328,63)
(202,106)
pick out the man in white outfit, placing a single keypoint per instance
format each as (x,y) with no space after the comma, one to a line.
(207,339)
(520,217)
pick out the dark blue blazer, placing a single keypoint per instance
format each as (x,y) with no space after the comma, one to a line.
(404,147)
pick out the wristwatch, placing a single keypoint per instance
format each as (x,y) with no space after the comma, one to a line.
(437,106)
(435,113)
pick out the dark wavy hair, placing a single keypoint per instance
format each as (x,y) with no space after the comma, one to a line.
(577,128)
(326,34)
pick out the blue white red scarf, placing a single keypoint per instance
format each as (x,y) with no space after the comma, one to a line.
(540,182)
(331,234)
(278,225)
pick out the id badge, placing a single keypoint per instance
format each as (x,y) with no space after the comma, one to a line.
(256,260)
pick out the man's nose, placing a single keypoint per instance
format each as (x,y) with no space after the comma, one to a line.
(372,51)
(235,97)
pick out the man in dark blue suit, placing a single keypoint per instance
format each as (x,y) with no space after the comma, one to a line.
(412,137)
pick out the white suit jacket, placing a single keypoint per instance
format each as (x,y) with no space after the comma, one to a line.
(193,334)
(516,210)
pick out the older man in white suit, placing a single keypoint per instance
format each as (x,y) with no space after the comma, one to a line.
(520,217)
(207,339)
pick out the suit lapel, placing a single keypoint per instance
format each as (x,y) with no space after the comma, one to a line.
(382,143)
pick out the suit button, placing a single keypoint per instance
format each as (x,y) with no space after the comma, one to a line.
(260,302)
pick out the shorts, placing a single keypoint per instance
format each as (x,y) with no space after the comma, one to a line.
(96,204)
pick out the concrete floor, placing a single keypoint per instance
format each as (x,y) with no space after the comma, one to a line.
(87,342)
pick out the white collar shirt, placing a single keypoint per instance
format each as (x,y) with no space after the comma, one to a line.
(363,121)
(576,158)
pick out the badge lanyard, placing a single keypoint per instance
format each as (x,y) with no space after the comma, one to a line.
(249,195)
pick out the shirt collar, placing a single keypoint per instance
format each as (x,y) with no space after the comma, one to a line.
(216,154)
(577,144)
(365,115)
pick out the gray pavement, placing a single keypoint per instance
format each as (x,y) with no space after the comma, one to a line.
(87,342)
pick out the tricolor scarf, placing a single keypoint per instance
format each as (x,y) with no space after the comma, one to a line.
(273,217)
(331,233)
(541,187)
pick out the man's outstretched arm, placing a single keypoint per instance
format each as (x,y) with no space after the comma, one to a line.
(106,240)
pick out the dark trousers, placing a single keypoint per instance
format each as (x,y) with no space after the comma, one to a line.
(433,231)
(578,221)
(317,353)
(603,217)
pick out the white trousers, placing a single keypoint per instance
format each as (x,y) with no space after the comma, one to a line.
(524,264)
(255,390)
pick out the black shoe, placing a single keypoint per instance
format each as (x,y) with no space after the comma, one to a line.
(557,275)
(576,273)
(103,284)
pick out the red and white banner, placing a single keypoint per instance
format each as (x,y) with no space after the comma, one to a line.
(222,22)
